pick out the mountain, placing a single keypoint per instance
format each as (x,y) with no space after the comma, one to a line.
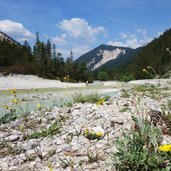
(107,56)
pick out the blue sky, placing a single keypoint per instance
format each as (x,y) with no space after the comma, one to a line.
(83,25)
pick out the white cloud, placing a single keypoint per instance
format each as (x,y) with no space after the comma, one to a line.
(116,43)
(80,50)
(59,39)
(16,30)
(77,50)
(80,28)
(132,40)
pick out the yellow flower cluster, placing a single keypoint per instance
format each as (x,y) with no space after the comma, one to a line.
(88,132)
(165,148)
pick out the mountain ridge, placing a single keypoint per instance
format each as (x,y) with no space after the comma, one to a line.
(105,54)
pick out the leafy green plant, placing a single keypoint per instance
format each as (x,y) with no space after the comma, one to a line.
(67,163)
(91,135)
(8,117)
(138,149)
(52,130)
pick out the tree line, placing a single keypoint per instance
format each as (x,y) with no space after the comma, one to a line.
(42,60)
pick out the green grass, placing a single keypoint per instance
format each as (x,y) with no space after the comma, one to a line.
(91,98)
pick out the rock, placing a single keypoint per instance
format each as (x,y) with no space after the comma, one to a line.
(30,152)
(23,157)
(57,141)
(117,120)
(65,147)
(12,138)
(81,120)
(100,145)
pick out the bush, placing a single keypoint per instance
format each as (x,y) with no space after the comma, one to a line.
(103,76)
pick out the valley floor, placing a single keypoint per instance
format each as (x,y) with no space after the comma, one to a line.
(54,139)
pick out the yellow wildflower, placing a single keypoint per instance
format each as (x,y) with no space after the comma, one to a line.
(165,148)
(15,101)
(99,134)
(148,67)
(86,131)
(13,91)
(39,106)
(101,101)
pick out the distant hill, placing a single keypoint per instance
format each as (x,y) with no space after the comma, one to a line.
(4,36)
(108,56)
(155,54)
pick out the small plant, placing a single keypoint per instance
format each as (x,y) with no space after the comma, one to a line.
(125,93)
(151,71)
(139,149)
(92,156)
(91,135)
(67,163)
(52,130)
(69,137)
(14,110)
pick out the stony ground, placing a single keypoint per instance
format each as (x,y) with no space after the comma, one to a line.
(55,138)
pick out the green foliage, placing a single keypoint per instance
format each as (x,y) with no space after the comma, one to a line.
(125,93)
(42,61)
(8,117)
(155,55)
(103,76)
(52,130)
(80,98)
(145,88)
(126,78)
(67,163)
(138,149)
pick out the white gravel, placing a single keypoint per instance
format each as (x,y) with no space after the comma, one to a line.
(30,81)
